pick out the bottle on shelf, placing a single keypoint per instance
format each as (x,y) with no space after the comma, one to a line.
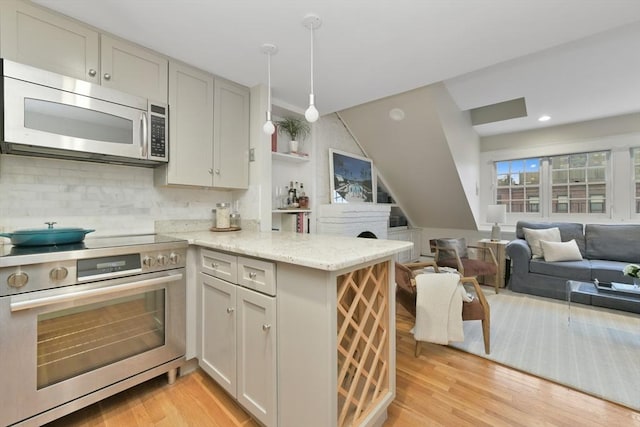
(303,200)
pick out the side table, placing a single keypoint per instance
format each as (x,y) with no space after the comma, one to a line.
(504,264)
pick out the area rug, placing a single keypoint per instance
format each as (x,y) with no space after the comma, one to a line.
(594,350)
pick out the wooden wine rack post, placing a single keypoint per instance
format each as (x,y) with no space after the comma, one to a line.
(363,342)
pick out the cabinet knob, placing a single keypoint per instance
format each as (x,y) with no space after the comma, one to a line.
(107,76)
(210,171)
(92,72)
(266,327)
(217,171)
(230,310)
(253,275)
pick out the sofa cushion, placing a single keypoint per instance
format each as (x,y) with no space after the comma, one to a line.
(534,237)
(568,231)
(609,271)
(574,270)
(619,242)
(560,251)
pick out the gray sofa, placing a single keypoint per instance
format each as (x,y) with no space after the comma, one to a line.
(605,249)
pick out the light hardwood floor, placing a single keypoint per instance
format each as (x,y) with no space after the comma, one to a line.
(442,387)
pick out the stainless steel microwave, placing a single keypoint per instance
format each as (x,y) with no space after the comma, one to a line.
(47,114)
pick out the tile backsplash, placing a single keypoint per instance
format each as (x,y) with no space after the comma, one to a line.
(111,199)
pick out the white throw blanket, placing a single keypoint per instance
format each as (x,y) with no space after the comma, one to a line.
(439,308)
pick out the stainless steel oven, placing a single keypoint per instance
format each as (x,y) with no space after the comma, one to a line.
(82,323)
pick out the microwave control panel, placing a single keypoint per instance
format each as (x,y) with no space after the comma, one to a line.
(158,136)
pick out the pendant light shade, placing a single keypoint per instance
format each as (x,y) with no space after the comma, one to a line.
(269,49)
(312,22)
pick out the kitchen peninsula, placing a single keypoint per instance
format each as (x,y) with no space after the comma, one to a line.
(323,354)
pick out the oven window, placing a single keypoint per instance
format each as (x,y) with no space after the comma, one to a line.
(76,122)
(80,339)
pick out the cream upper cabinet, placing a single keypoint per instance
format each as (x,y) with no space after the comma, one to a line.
(230,135)
(36,36)
(133,69)
(190,128)
(43,39)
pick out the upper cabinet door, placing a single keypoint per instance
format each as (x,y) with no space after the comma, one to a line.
(230,135)
(46,40)
(190,128)
(134,70)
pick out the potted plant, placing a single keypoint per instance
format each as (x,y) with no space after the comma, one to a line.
(297,129)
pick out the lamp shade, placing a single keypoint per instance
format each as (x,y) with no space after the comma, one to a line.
(497,214)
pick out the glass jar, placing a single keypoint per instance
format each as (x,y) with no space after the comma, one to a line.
(234,220)
(223,210)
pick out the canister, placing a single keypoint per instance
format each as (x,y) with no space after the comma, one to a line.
(222,215)
(235,220)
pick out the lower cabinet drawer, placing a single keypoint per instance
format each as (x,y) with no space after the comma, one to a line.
(257,275)
(220,265)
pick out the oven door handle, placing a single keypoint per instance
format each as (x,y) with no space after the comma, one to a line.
(60,298)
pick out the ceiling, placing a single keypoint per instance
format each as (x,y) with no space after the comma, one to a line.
(366,50)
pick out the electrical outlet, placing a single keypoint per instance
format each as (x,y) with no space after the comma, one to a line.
(252,154)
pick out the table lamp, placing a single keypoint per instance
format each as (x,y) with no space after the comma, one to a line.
(497,214)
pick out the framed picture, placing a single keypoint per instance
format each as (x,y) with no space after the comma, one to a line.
(352,178)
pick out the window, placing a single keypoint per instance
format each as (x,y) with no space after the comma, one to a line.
(635,156)
(579,183)
(518,185)
(576,183)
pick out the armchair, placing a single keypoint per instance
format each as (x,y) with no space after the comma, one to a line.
(455,253)
(478,309)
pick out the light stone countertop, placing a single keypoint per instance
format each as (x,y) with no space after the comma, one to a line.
(320,251)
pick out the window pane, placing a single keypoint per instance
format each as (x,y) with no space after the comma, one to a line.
(597,159)
(559,190)
(560,177)
(517,166)
(502,168)
(578,192)
(560,162)
(532,178)
(503,195)
(596,174)
(578,160)
(503,180)
(577,175)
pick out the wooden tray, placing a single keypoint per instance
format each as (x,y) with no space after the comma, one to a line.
(225,229)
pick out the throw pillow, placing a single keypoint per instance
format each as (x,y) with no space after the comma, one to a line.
(561,251)
(534,236)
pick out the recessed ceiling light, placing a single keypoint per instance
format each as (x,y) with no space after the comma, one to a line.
(544,118)
(396,114)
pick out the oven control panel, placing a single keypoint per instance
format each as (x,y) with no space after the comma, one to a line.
(34,277)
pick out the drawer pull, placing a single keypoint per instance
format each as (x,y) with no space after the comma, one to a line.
(230,310)
(214,265)
(253,275)
(266,327)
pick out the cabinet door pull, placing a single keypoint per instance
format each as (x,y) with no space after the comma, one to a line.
(230,310)
(107,76)
(266,327)
(92,72)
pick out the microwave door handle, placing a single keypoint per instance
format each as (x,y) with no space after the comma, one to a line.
(144,143)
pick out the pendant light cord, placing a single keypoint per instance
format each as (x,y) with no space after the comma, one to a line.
(311,26)
(269,81)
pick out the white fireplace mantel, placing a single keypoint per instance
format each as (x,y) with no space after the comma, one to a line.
(351,219)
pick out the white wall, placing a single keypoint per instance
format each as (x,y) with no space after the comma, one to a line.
(112,199)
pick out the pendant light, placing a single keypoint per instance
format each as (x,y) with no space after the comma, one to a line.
(312,22)
(269,49)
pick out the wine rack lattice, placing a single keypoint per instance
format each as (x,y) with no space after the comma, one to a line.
(363,341)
